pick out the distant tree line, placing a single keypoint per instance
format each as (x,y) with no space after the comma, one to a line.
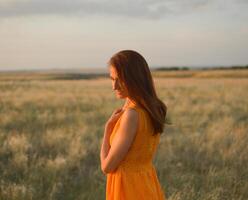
(201,68)
(171,68)
(230,67)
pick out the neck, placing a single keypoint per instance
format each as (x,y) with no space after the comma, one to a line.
(127,102)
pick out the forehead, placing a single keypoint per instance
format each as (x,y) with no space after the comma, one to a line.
(113,72)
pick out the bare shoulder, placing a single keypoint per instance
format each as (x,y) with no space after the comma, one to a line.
(130,114)
(129,119)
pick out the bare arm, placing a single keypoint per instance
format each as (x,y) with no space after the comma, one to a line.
(107,132)
(112,156)
(105,145)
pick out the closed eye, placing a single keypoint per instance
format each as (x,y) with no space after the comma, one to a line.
(114,79)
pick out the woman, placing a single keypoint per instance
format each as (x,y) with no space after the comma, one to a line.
(132,132)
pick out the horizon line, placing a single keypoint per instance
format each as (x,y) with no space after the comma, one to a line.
(104,69)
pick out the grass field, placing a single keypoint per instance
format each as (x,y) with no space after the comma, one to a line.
(51,129)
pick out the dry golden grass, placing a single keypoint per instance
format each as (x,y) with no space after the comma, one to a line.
(51,130)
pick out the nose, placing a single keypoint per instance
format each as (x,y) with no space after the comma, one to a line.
(116,85)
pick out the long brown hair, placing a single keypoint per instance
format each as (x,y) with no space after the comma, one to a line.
(133,71)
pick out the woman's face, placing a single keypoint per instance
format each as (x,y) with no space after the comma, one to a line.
(118,86)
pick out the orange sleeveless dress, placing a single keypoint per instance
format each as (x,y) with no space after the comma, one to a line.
(136,178)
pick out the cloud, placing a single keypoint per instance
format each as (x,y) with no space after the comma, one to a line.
(129,8)
(151,9)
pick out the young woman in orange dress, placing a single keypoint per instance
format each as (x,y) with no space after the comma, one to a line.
(132,132)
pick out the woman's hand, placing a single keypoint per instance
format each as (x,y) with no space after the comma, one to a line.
(113,119)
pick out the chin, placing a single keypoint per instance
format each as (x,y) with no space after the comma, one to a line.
(120,96)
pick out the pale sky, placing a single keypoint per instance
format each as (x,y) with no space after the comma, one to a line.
(50,34)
